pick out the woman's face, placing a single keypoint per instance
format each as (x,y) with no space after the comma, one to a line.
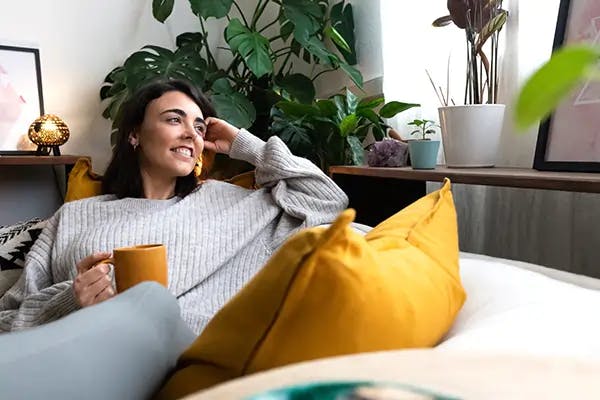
(171,136)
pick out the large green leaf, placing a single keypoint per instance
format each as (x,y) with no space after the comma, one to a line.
(251,45)
(370,102)
(286,30)
(348,124)
(317,48)
(342,19)
(222,86)
(351,102)
(194,39)
(232,106)
(353,73)
(340,104)
(327,107)
(211,8)
(355,149)
(154,61)
(299,86)
(161,9)
(336,38)
(294,132)
(297,109)
(394,107)
(369,115)
(544,91)
(304,14)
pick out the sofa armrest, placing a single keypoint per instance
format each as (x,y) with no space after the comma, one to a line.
(119,349)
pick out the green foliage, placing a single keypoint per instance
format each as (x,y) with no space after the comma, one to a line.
(424,127)
(261,71)
(543,91)
(331,131)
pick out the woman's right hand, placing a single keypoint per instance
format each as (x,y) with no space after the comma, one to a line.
(93,283)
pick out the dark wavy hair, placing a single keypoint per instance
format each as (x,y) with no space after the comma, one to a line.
(122,177)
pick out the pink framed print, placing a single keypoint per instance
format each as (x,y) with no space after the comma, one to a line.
(570,139)
(21,99)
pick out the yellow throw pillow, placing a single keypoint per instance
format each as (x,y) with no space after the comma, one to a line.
(83,183)
(329,292)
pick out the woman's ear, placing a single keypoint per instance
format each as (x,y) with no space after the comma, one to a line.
(133,140)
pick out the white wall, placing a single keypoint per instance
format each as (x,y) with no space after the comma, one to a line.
(79,43)
(411,45)
(367,25)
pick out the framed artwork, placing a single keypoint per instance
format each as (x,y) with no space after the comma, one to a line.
(21,100)
(570,139)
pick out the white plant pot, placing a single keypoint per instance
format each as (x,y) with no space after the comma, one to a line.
(471,134)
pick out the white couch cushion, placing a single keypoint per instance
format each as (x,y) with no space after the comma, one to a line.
(511,309)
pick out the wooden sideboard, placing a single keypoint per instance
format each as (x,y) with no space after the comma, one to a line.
(377,193)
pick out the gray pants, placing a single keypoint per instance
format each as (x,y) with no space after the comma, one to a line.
(119,349)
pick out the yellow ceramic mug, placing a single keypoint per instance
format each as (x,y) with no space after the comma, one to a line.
(147,262)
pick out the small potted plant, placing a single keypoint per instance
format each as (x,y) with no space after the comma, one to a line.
(423,151)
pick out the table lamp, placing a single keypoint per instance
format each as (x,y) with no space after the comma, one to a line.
(48,132)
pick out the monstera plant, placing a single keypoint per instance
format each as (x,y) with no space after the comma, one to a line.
(265,47)
(331,131)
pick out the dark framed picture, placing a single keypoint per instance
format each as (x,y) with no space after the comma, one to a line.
(570,139)
(21,99)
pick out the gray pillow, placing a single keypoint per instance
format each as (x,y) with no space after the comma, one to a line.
(119,349)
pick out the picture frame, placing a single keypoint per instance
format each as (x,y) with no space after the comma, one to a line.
(568,140)
(21,97)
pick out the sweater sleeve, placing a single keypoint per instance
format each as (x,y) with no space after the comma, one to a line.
(298,186)
(35,299)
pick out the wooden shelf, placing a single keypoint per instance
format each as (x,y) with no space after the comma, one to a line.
(508,177)
(39,160)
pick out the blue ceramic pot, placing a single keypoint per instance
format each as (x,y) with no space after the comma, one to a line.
(423,153)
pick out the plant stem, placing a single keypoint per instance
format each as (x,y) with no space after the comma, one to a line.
(475,77)
(275,38)
(321,73)
(209,55)
(495,58)
(285,61)
(258,11)
(241,13)
(269,25)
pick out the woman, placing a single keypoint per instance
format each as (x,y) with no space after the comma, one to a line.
(217,235)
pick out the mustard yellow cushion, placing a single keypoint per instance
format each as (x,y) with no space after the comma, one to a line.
(328,292)
(82,182)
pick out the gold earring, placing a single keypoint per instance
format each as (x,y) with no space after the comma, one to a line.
(198,166)
(135,145)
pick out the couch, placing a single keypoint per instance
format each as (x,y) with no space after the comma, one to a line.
(525,331)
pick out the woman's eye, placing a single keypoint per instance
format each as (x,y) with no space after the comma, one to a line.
(201,130)
(173,119)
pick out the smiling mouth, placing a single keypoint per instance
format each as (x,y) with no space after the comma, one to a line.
(185,151)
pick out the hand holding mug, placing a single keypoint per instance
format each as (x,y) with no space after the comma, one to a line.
(93,283)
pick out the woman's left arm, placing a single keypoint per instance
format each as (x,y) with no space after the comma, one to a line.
(298,186)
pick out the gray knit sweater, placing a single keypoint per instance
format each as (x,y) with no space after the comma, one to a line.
(217,237)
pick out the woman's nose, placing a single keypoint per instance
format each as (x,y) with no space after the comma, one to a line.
(189,131)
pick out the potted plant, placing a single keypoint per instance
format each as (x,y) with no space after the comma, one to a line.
(471,132)
(266,49)
(332,131)
(423,151)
